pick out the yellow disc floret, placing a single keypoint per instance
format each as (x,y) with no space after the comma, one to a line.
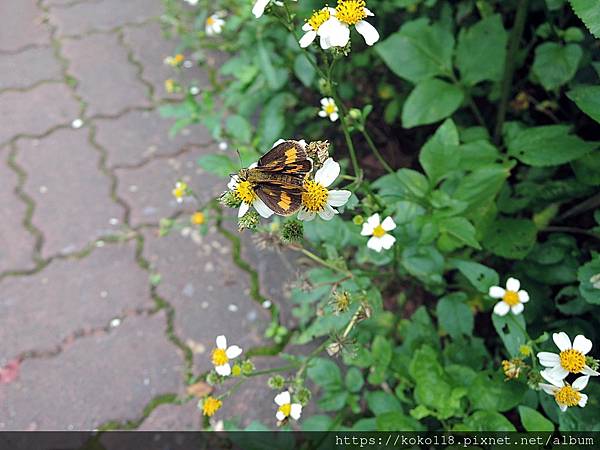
(314,197)
(181,190)
(350,12)
(210,21)
(567,396)
(197,218)
(211,406)
(286,409)
(219,357)
(245,192)
(511,298)
(378,231)
(572,360)
(319,18)
(330,109)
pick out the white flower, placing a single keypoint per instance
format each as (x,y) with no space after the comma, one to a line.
(335,32)
(192,2)
(380,239)
(566,395)
(312,26)
(329,109)
(245,192)
(286,407)
(512,298)
(317,199)
(571,358)
(214,24)
(259,7)
(222,354)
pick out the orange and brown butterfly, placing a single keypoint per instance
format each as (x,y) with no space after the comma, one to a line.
(278,177)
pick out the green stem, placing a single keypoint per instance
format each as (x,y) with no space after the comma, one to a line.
(321,261)
(509,66)
(274,370)
(375,151)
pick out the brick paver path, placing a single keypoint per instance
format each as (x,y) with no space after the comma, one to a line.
(95,344)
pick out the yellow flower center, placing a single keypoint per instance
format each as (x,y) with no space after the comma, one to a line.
(350,11)
(197,218)
(314,197)
(318,18)
(180,190)
(178,58)
(329,109)
(567,396)
(572,360)
(219,357)
(378,231)
(245,192)
(511,298)
(210,21)
(286,409)
(211,406)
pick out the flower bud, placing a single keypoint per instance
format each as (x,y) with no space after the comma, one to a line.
(292,231)
(249,221)
(230,200)
(276,382)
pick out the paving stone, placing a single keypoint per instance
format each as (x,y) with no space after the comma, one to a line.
(110,376)
(84,17)
(16,243)
(73,204)
(137,136)
(170,417)
(23,69)
(107,81)
(21,25)
(82,294)
(150,52)
(210,295)
(147,189)
(36,111)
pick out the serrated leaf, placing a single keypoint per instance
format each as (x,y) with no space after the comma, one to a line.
(589,13)
(510,238)
(454,315)
(439,156)
(430,101)
(555,64)
(587,99)
(480,276)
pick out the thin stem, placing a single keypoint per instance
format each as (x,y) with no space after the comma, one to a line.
(321,261)
(274,370)
(375,151)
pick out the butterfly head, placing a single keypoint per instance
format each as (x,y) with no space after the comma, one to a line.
(243,174)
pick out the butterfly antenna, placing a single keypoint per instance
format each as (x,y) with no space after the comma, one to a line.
(237,150)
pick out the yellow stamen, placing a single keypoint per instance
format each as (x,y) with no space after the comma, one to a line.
(180,190)
(511,298)
(350,12)
(210,406)
(572,360)
(314,197)
(378,231)
(210,21)
(567,396)
(219,357)
(197,218)
(318,18)
(286,409)
(330,108)
(245,192)
(178,58)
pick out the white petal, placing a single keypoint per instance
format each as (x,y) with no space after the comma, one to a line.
(221,342)
(368,12)
(224,370)
(302,143)
(322,113)
(233,352)
(259,7)
(244,207)
(306,215)
(367,230)
(262,208)
(279,415)
(582,344)
(517,309)
(253,165)
(563,408)
(283,398)
(387,240)
(548,359)
(375,244)
(232,183)
(325,101)
(561,340)
(327,213)
(308,38)
(523,296)
(580,383)
(277,142)
(555,373)
(334,116)
(548,388)
(583,400)
(496,292)
(501,308)
(328,173)
(374,220)
(368,31)
(306,27)
(296,411)
(388,224)
(338,197)
(512,284)
(547,375)
(335,32)
(589,371)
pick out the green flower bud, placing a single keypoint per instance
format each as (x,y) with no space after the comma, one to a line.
(212,378)
(292,231)
(230,200)
(303,395)
(355,113)
(358,220)
(236,370)
(247,367)
(276,382)
(249,221)
(592,363)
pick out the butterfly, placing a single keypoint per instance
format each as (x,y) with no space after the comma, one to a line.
(278,177)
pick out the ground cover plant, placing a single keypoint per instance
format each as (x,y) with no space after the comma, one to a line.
(451,211)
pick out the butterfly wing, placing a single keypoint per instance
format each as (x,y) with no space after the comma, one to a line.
(283,199)
(288,157)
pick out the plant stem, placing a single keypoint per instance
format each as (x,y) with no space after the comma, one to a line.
(375,151)
(509,66)
(321,261)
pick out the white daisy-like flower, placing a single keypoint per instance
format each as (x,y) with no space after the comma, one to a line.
(317,199)
(222,354)
(180,191)
(335,32)
(566,395)
(329,109)
(511,298)
(571,358)
(260,5)
(380,239)
(245,192)
(312,26)
(214,24)
(286,407)
(191,2)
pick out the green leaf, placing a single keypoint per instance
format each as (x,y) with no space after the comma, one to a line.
(439,156)
(425,263)
(303,69)
(510,238)
(586,273)
(488,421)
(454,315)
(406,183)
(380,402)
(555,64)
(354,379)
(430,101)
(220,165)
(457,232)
(476,154)
(418,51)
(325,373)
(549,145)
(481,185)
(533,420)
(492,393)
(272,119)
(480,276)
(239,128)
(587,169)
(589,13)
(587,98)
(510,329)
(395,421)
(481,51)
(276,77)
